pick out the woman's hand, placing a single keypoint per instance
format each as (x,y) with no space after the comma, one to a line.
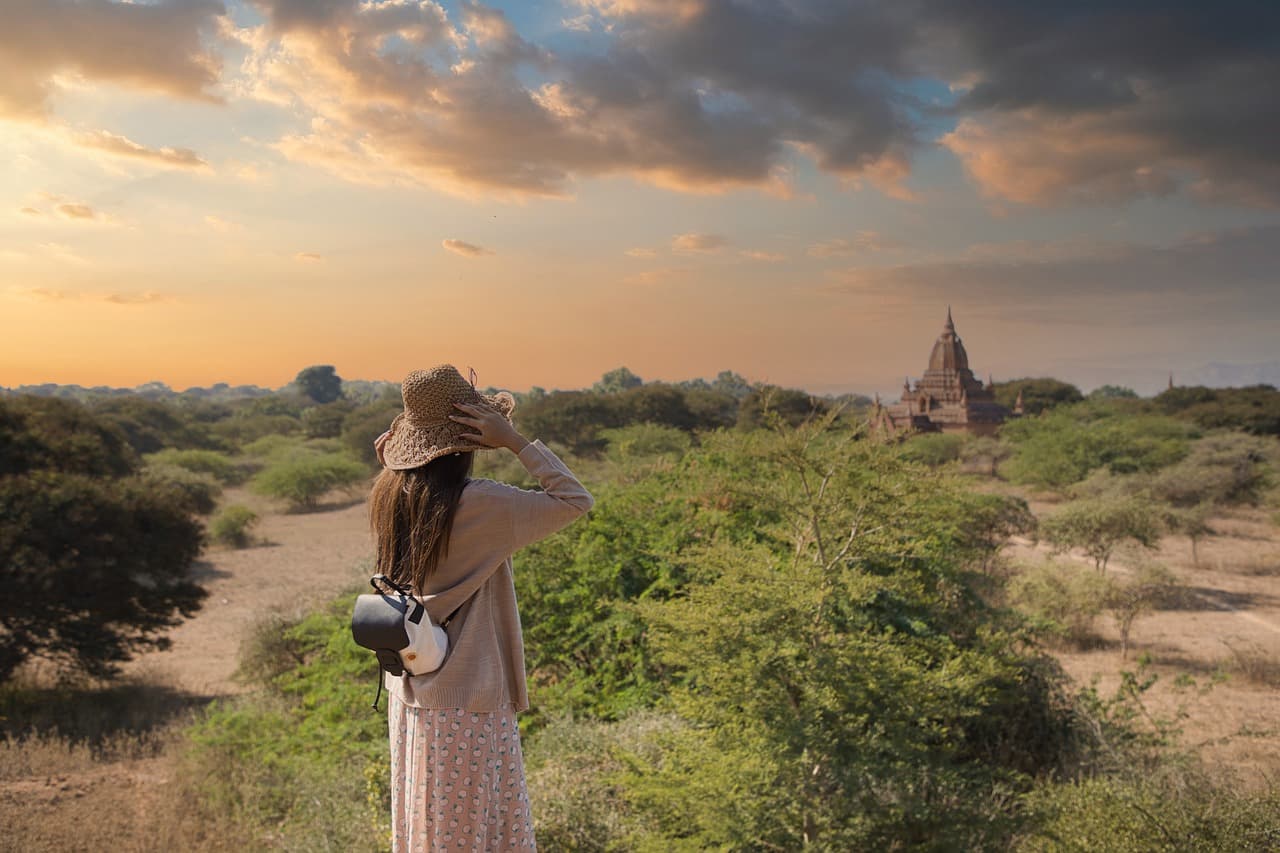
(489,429)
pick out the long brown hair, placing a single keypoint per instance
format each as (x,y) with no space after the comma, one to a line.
(411,514)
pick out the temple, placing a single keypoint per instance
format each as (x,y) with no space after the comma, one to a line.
(948,398)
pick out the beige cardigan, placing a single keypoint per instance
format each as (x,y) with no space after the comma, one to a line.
(484,669)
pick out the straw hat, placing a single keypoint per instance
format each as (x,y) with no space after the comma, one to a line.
(423,431)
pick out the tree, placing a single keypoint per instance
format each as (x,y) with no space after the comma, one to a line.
(320,382)
(1038,395)
(1129,599)
(95,562)
(1099,525)
(770,403)
(839,686)
(987,451)
(618,379)
(1113,392)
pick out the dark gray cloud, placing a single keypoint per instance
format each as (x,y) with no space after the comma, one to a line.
(1056,100)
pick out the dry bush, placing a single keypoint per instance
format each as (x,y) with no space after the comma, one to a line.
(1254,565)
(1065,598)
(1253,664)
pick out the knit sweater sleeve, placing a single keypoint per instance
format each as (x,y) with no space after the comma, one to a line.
(537,514)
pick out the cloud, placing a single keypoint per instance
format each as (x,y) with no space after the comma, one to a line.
(862,242)
(45,294)
(149,297)
(154,47)
(641,252)
(30,211)
(308,257)
(650,277)
(763,257)
(75,210)
(1230,273)
(698,243)
(578,23)
(468,250)
(122,146)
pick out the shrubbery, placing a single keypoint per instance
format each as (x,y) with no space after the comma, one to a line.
(231,526)
(304,479)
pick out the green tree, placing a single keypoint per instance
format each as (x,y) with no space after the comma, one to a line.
(1130,598)
(618,379)
(320,382)
(94,562)
(769,404)
(1099,525)
(1113,392)
(841,687)
(1038,395)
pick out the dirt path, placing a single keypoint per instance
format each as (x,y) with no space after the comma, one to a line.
(308,558)
(53,797)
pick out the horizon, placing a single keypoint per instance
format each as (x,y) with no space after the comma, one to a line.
(228,192)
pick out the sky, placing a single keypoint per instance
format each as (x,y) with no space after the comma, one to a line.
(202,191)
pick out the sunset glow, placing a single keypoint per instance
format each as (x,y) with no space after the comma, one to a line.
(202,192)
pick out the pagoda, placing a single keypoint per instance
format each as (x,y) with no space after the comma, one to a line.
(948,398)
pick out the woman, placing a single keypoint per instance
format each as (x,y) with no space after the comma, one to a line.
(457,774)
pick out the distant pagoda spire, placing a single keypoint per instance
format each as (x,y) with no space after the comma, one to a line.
(1170,380)
(1017,404)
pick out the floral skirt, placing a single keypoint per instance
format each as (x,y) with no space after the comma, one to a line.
(457,781)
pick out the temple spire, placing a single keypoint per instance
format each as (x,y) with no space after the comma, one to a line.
(1017,404)
(1170,380)
(950,326)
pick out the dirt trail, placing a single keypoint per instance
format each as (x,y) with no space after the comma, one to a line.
(308,558)
(121,805)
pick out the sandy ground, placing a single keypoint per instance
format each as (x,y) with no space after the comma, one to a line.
(1232,612)
(304,559)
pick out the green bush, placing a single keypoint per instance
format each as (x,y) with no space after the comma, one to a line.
(645,441)
(933,449)
(303,480)
(198,493)
(210,462)
(231,526)
(1176,809)
(1099,525)
(1063,598)
(302,764)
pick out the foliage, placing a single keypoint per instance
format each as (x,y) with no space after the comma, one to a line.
(984,453)
(231,526)
(644,441)
(319,382)
(1099,525)
(93,569)
(216,465)
(150,425)
(618,379)
(305,478)
(1127,599)
(1254,409)
(1221,468)
(363,425)
(769,404)
(934,448)
(195,493)
(1171,810)
(325,421)
(841,686)
(42,433)
(94,562)
(1112,392)
(1038,395)
(1064,599)
(305,760)
(1065,445)
(990,521)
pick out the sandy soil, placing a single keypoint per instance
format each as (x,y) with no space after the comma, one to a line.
(304,559)
(1232,613)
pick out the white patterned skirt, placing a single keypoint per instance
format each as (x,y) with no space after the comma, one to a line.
(457,781)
